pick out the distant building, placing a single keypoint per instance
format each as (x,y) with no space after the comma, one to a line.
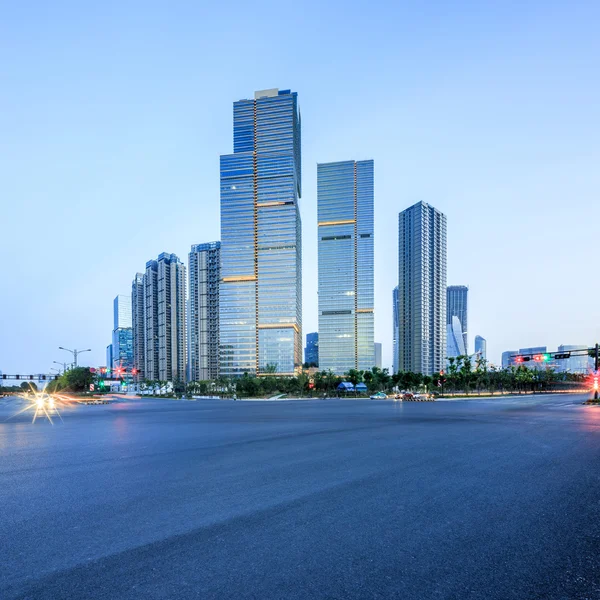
(396,331)
(345,206)
(378,360)
(456,306)
(455,345)
(138,325)
(480,347)
(122,336)
(575,364)
(203,315)
(164,319)
(311,352)
(109,356)
(508,358)
(422,289)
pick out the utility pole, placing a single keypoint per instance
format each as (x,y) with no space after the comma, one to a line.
(74,353)
(596,372)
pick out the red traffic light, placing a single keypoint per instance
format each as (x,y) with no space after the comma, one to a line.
(134,371)
(519,359)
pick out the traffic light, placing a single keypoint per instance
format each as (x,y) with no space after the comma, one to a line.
(134,371)
(545,357)
(562,355)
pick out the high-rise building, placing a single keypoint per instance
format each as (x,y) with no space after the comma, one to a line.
(396,332)
(164,318)
(109,356)
(138,325)
(345,209)
(455,342)
(311,352)
(203,315)
(378,357)
(122,336)
(123,348)
(422,289)
(260,303)
(480,347)
(457,302)
(122,311)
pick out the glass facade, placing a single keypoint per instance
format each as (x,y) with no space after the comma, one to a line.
(345,206)
(421,289)
(311,352)
(122,311)
(457,297)
(480,347)
(122,353)
(260,300)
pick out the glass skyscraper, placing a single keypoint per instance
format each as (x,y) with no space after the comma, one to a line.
(260,303)
(421,289)
(480,347)
(203,315)
(122,337)
(457,297)
(346,265)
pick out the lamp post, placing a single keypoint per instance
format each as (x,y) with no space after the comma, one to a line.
(74,353)
(62,364)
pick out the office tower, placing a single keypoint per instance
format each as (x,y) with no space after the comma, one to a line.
(346,270)
(122,336)
(396,332)
(164,318)
(457,303)
(122,311)
(203,315)
(109,356)
(480,347)
(311,352)
(581,364)
(378,357)
(260,303)
(138,326)
(455,344)
(422,289)
(508,358)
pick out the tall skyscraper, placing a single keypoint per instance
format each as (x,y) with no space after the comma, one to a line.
(164,318)
(109,356)
(396,331)
(507,358)
(311,352)
(457,303)
(260,304)
(122,337)
(203,315)
(138,326)
(422,289)
(481,347)
(346,265)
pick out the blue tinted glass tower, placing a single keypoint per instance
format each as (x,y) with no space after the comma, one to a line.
(346,265)
(260,309)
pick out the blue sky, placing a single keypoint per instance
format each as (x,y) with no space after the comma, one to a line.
(113,116)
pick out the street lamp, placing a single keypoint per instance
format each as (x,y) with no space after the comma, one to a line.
(74,353)
(62,364)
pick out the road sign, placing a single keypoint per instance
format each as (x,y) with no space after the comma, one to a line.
(92,387)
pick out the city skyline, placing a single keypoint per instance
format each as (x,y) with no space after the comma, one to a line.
(489,137)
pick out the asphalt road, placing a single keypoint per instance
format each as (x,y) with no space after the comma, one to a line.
(491,499)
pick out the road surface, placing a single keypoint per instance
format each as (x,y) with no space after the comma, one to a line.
(491,499)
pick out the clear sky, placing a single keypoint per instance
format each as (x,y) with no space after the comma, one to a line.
(113,116)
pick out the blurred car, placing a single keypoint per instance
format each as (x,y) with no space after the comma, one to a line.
(379,396)
(408,396)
